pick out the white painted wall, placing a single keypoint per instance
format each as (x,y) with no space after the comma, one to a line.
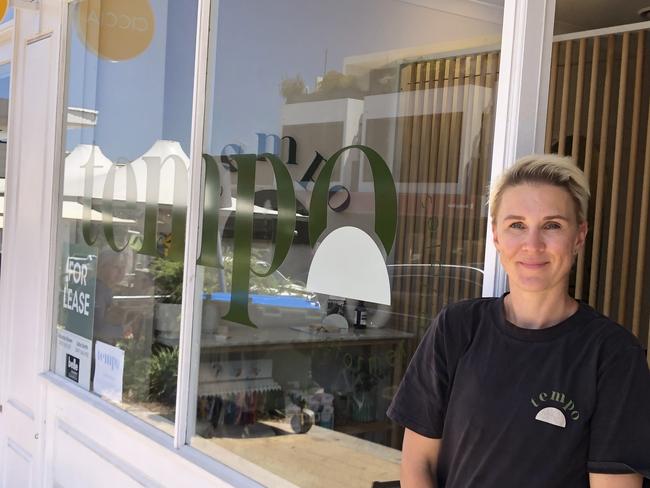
(24,287)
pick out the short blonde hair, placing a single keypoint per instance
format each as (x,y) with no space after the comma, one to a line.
(548,169)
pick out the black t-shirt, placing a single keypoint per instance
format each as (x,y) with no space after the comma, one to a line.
(519,407)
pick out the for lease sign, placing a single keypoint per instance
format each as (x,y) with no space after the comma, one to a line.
(78,290)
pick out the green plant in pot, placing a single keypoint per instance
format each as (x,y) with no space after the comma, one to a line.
(153,378)
(163,375)
(168,286)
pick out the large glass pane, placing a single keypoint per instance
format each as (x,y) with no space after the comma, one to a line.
(122,223)
(320,266)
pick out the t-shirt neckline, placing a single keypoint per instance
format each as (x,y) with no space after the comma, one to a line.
(539,335)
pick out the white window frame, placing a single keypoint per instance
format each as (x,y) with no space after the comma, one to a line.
(519,129)
(522,99)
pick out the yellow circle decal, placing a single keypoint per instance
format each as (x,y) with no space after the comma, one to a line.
(4,5)
(115,29)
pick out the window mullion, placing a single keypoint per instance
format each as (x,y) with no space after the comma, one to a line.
(524,72)
(189,337)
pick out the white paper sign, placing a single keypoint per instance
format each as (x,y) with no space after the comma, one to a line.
(109,371)
(73,357)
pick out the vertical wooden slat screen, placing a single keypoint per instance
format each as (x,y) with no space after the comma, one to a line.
(564,108)
(643,231)
(616,177)
(404,129)
(600,174)
(413,163)
(452,168)
(423,175)
(589,149)
(486,148)
(551,97)
(577,109)
(608,76)
(444,139)
(632,179)
(433,172)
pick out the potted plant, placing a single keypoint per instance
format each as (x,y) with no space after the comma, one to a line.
(168,286)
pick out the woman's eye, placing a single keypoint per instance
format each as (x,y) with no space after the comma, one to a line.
(552,225)
(517,225)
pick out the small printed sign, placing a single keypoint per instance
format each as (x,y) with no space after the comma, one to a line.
(72,368)
(77,302)
(109,371)
(73,357)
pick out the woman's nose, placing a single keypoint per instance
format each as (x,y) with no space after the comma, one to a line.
(534,240)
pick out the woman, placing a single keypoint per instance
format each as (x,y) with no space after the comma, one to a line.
(533,389)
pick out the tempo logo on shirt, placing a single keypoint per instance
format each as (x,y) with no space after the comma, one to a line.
(555,415)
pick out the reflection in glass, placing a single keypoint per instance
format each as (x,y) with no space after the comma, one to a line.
(122,223)
(291,375)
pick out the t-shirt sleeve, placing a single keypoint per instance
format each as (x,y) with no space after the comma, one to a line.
(421,399)
(620,426)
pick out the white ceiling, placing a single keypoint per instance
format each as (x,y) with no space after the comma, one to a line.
(595,14)
(570,15)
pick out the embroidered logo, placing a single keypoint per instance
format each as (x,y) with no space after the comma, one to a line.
(556,408)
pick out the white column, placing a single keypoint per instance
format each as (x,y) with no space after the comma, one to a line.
(524,73)
(28,254)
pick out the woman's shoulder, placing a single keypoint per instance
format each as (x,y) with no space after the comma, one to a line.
(611,337)
(463,317)
(471,310)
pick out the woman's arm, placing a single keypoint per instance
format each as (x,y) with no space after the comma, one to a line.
(597,480)
(419,461)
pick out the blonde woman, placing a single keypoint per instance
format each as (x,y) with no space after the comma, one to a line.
(532,389)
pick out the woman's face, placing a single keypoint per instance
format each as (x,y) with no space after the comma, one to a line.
(112,270)
(537,235)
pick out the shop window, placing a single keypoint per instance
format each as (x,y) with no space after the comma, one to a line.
(123,201)
(346,151)
(598,114)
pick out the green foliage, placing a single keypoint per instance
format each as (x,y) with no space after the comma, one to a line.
(334,85)
(163,375)
(150,378)
(293,89)
(338,85)
(136,378)
(168,279)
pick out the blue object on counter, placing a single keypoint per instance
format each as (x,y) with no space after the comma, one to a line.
(283,301)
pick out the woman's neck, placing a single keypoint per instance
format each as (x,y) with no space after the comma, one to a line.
(538,311)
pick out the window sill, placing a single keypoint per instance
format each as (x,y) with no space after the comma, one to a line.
(212,466)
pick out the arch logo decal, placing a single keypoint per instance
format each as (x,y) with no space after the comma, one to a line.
(555,408)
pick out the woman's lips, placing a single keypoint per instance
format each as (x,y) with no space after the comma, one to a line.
(532,265)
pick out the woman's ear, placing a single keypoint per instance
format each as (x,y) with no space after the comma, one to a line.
(583,229)
(495,237)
